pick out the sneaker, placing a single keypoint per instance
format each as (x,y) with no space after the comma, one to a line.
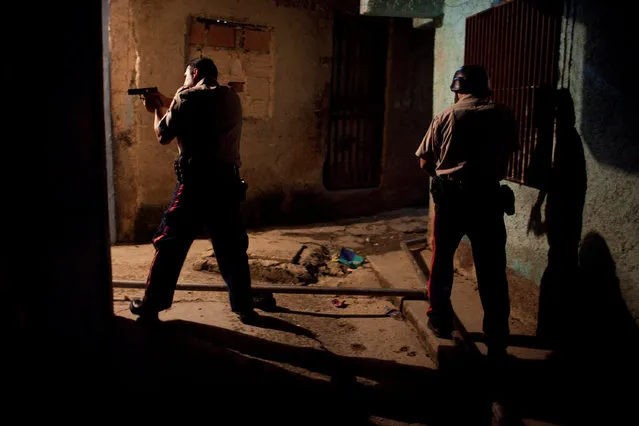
(248,317)
(145,315)
(266,302)
(441,332)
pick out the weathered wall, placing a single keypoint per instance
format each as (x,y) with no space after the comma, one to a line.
(601,151)
(282,151)
(125,115)
(148,43)
(598,74)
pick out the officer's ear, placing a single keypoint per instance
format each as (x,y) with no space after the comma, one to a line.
(195,73)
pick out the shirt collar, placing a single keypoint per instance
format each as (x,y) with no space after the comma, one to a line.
(207,82)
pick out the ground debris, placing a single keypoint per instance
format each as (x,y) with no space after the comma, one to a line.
(309,264)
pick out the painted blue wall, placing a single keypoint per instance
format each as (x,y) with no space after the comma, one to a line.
(596,159)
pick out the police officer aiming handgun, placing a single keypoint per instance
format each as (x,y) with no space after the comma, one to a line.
(466,151)
(206,120)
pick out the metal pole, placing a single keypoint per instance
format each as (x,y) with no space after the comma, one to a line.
(416,294)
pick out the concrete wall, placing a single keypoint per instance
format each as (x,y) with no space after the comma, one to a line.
(597,159)
(74,298)
(282,146)
(64,313)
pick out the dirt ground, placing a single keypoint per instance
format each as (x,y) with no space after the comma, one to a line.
(312,362)
(366,236)
(361,330)
(269,249)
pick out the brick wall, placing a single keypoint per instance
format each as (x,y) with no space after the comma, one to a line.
(243,53)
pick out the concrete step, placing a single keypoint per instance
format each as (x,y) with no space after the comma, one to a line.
(462,357)
(544,388)
(396,270)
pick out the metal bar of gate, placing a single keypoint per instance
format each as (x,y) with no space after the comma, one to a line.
(337,291)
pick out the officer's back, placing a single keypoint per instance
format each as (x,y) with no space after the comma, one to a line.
(476,138)
(211,122)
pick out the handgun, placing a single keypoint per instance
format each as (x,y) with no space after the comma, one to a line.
(142,91)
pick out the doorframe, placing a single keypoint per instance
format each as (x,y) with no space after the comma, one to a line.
(328,110)
(108,131)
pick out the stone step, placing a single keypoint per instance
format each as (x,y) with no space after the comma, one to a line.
(397,271)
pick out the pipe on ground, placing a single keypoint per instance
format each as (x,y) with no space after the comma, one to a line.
(415,294)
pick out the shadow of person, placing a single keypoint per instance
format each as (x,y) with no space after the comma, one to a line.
(326,315)
(603,310)
(582,315)
(272,323)
(279,383)
(172,371)
(601,347)
(564,190)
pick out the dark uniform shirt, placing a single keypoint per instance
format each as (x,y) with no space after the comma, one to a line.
(472,139)
(207,121)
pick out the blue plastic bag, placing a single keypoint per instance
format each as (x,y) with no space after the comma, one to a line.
(350,258)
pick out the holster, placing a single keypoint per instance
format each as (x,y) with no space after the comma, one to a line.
(445,192)
(187,172)
(241,189)
(451,192)
(180,165)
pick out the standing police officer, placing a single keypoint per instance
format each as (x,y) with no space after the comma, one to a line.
(206,119)
(466,151)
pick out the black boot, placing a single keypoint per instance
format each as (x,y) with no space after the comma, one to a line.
(248,317)
(265,302)
(443,332)
(145,315)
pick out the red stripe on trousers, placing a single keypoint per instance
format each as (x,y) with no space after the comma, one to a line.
(148,279)
(162,235)
(432,260)
(174,206)
(177,198)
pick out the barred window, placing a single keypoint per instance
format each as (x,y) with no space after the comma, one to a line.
(518,44)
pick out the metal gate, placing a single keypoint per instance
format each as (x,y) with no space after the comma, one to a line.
(518,43)
(358,83)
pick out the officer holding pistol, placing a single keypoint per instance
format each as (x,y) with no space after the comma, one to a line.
(466,151)
(206,120)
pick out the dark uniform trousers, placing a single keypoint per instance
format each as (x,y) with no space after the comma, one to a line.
(476,212)
(210,202)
